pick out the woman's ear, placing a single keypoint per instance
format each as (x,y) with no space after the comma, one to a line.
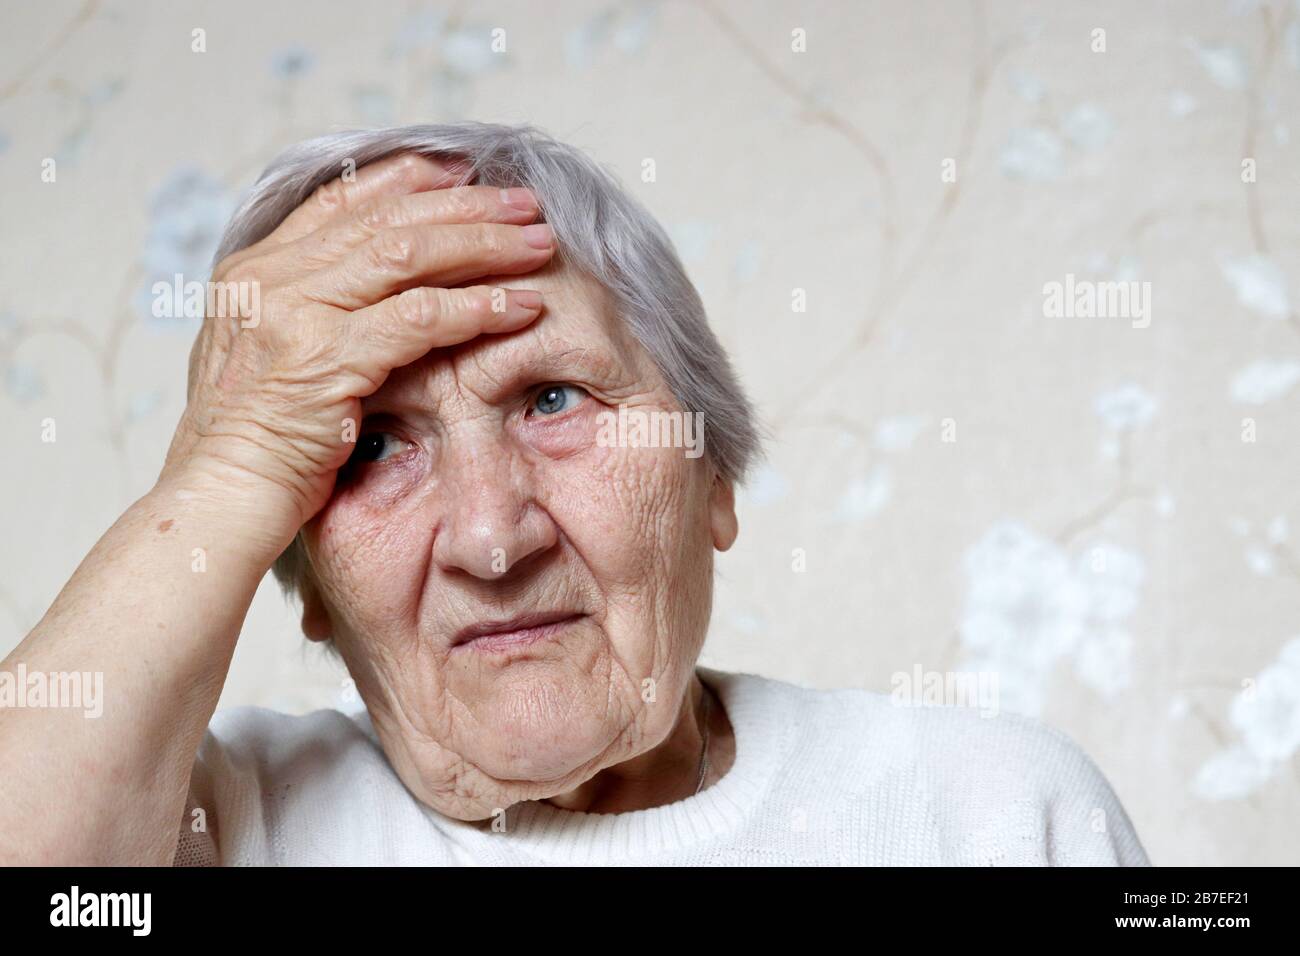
(316,624)
(722,514)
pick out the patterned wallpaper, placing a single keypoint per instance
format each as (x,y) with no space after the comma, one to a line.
(1015,286)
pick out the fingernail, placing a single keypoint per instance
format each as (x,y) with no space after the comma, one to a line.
(528,298)
(539,235)
(519,197)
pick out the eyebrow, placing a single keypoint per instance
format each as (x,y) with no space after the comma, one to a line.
(508,369)
(523,362)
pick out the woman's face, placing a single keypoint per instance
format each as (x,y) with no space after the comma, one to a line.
(481,500)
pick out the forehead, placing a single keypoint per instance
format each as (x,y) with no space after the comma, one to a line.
(578,336)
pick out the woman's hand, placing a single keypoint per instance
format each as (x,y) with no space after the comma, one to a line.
(356,282)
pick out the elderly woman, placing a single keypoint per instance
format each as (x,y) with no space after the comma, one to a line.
(413,428)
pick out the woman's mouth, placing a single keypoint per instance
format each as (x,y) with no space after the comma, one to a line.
(490,636)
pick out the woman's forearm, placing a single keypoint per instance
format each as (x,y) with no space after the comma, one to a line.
(155,608)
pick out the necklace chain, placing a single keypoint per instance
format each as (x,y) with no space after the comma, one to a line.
(704,748)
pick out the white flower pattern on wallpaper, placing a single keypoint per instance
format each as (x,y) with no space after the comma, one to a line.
(866,496)
(1030,606)
(187,214)
(1125,408)
(1035,154)
(1088,126)
(292,61)
(1224,65)
(1259,283)
(1264,381)
(1038,153)
(1266,716)
(626,25)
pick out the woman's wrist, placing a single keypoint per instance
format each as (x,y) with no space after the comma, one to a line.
(237,510)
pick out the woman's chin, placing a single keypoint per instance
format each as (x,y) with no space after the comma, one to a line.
(560,758)
(502,780)
(541,729)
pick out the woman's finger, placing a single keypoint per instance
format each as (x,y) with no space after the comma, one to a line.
(398,259)
(438,207)
(402,328)
(394,176)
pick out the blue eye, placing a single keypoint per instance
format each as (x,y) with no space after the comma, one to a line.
(553,399)
(375,446)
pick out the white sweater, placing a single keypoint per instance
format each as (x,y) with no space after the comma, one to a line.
(820,777)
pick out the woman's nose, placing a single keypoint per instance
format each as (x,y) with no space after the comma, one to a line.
(491,521)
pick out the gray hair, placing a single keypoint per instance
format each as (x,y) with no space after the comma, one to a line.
(600,229)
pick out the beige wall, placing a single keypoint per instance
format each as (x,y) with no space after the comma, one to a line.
(1099,533)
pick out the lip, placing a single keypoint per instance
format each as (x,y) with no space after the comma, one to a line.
(514,632)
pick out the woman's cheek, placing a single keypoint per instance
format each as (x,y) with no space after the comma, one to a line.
(366,547)
(630,504)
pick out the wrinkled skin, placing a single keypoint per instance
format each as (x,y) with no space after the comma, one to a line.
(403,557)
